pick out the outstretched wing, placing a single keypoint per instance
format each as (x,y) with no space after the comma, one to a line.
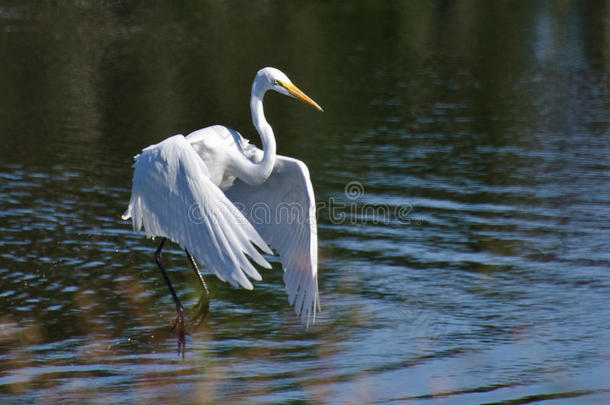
(172,196)
(283,211)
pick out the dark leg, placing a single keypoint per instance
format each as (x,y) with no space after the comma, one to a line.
(204,302)
(180,317)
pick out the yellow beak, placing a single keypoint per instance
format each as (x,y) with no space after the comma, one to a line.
(297,93)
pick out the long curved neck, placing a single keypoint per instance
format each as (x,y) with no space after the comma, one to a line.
(265,166)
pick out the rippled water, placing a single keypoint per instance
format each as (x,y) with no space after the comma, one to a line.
(462,176)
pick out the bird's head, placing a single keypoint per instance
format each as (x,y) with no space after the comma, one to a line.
(275,79)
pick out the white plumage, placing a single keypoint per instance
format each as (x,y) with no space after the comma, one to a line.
(218,197)
(283,211)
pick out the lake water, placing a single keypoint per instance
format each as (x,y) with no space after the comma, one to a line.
(462,174)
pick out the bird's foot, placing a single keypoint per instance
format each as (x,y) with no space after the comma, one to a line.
(203,308)
(179,327)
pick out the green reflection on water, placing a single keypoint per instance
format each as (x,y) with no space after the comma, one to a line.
(423,99)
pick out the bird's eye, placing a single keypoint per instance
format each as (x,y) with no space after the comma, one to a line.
(276,82)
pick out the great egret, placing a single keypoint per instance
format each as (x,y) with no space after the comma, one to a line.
(216,195)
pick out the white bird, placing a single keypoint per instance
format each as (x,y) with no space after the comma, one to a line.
(217,196)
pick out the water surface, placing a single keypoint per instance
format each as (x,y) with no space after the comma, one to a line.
(462,177)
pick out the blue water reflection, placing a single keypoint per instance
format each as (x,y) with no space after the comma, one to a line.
(462,176)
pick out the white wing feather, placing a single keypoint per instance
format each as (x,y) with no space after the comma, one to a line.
(172,196)
(283,211)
